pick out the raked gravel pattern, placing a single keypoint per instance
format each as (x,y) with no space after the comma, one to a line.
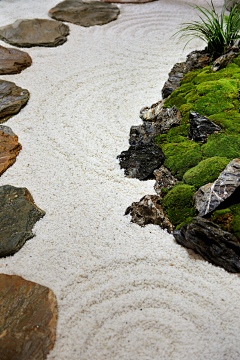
(124,292)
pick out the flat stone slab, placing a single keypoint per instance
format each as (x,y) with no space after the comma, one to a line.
(18,215)
(12,99)
(13,61)
(85,14)
(28,319)
(35,32)
(9,148)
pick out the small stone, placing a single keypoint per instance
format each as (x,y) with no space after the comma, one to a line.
(13,61)
(35,32)
(227,186)
(223,61)
(211,242)
(12,99)
(140,161)
(164,179)
(28,319)
(201,127)
(18,215)
(142,134)
(85,13)
(9,148)
(149,211)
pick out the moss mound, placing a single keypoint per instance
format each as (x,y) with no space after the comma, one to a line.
(178,204)
(228,219)
(207,171)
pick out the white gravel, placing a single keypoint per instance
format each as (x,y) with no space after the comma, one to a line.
(124,292)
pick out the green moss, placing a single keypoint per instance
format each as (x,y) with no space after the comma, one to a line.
(206,171)
(178,203)
(222,145)
(228,219)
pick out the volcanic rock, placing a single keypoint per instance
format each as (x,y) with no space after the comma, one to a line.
(28,319)
(9,148)
(18,215)
(85,13)
(164,179)
(142,134)
(223,61)
(225,188)
(201,127)
(140,161)
(149,211)
(12,99)
(35,32)
(195,60)
(213,244)
(13,61)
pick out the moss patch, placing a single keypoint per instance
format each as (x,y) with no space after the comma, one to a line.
(178,204)
(228,219)
(207,171)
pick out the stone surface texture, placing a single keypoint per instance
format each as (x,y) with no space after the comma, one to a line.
(213,244)
(210,196)
(223,61)
(164,179)
(149,211)
(13,61)
(28,319)
(12,99)
(85,13)
(195,60)
(201,127)
(18,215)
(9,148)
(35,32)
(127,1)
(140,161)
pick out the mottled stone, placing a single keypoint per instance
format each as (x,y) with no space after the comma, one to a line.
(140,161)
(149,211)
(12,99)
(18,215)
(142,134)
(213,244)
(195,60)
(201,127)
(223,61)
(28,319)
(164,179)
(227,186)
(13,61)
(85,13)
(9,148)
(35,32)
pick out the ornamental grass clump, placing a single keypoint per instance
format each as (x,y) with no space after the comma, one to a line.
(218,31)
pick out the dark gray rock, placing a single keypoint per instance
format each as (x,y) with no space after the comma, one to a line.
(142,134)
(226,187)
(213,244)
(195,60)
(12,99)
(35,32)
(140,161)
(85,13)
(18,215)
(223,61)
(13,61)
(201,127)
(164,179)
(149,211)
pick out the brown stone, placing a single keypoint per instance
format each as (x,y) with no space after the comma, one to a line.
(9,148)
(85,13)
(12,99)
(28,319)
(164,179)
(13,61)
(35,32)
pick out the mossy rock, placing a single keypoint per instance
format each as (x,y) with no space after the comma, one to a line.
(228,219)
(178,204)
(207,171)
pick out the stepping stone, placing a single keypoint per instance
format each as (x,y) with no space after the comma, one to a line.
(18,215)
(9,148)
(12,99)
(13,61)
(85,14)
(35,32)
(28,319)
